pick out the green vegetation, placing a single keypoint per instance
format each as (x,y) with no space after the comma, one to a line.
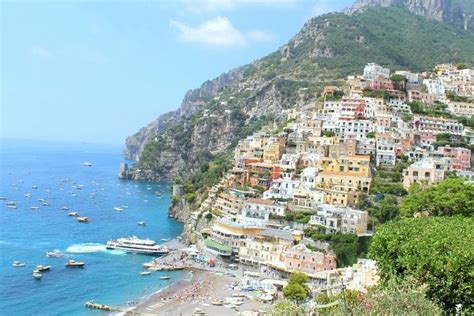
(297,290)
(434,252)
(351,298)
(299,217)
(209,173)
(389,182)
(398,78)
(328,133)
(446,139)
(397,297)
(448,198)
(286,308)
(346,247)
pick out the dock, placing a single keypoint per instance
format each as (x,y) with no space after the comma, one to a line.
(102,307)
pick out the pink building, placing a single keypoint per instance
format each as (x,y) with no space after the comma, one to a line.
(460,157)
(353,107)
(300,258)
(381,83)
(426,171)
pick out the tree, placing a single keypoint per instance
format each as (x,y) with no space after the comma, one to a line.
(397,298)
(328,133)
(434,251)
(450,197)
(371,135)
(286,307)
(352,303)
(297,290)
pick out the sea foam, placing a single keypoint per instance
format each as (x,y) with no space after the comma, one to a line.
(91,248)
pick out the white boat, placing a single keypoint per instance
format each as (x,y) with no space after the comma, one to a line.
(142,223)
(75,264)
(83,219)
(133,244)
(27,195)
(155,268)
(11,206)
(74,214)
(65,208)
(87,164)
(45,204)
(18,264)
(41,200)
(145,273)
(118,209)
(2,198)
(11,203)
(42,268)
(164,277)
(124,206)
(37,275)
(35,208)
(34,187)
(54,254)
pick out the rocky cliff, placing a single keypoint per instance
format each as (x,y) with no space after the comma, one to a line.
(456,12)
(215,116)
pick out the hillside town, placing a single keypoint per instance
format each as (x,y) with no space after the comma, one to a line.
(312,173)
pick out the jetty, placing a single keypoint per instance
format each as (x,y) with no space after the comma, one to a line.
(102,307)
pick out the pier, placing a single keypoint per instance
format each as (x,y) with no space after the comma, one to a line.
(102,307)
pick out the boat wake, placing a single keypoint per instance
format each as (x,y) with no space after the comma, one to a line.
(92,248)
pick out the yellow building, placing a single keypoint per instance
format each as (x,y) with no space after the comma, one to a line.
(345,179)
(227,204)
(273,152)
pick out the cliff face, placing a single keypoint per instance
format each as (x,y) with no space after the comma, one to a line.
(215,116)
(456,12)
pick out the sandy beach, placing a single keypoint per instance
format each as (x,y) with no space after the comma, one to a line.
(196,291)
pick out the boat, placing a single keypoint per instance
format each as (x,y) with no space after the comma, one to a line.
(41,200)
(142,223)
(218,302)
(42,268)
(34,187)
(155,268)
(18,264)
(75,214)
(65,208)
(118,209)
(87,164)
(124,206)
(133,244)
(27,195)
(45,204)
(2,198)
(83,219)
(165,277)
(11,203)
(75,264)
(37,275)
(54,254)
(11,206)
(145,273)
(35,208)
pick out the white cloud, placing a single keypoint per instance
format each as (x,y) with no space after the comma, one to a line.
(214,32)
(259,36)
(42,52)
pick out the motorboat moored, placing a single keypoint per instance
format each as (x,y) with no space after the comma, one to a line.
(165,277)
(74,214)
(42,268)
(54,254)
(75,264)
(145,273)
(18,264)
(141,223)
(83,219)
(37,275)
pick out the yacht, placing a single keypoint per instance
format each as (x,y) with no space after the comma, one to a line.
(11,206)
(118,209)
(133,244)
(87,164)
(164,277)
(145,273)
(2,198)
(34,187)
(35,208)
(142,223)
(74,214)
(83,220)
(75,264)
(41,268)
(37,275)
(65,208)
(27,195)
(18,264)
(11,203)
(54,254)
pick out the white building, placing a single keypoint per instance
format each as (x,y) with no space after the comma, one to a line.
(340,219)
(372,71)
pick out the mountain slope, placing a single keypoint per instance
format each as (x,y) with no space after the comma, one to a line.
(212,118)
(455,12)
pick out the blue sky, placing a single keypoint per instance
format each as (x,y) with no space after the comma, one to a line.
(97,71)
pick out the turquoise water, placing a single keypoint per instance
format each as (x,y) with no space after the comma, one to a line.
(109,277)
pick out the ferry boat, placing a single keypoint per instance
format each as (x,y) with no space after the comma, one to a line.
(133,244)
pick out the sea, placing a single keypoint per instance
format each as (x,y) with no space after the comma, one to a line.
(33,171)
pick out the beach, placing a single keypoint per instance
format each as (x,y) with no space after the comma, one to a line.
(196,291)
